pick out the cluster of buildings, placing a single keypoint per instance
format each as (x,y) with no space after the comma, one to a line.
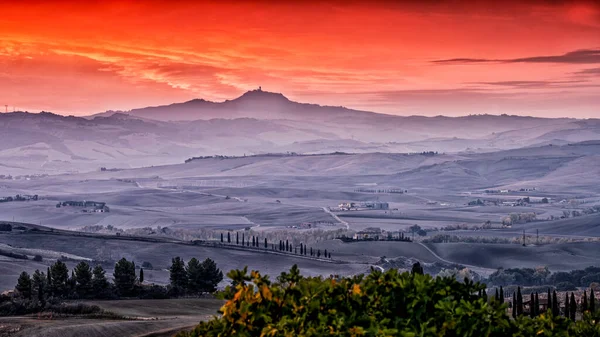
(19,197)
(97,207)
(377,234)
(353,206)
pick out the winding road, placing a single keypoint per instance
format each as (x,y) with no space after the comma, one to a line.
(479,270)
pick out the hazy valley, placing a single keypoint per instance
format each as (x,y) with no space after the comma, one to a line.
(486,192)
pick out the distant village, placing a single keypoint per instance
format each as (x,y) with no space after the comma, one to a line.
(376,234)
(355,206)
(19,197)
(96,207)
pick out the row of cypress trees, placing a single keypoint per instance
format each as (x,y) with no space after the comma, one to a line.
(569,309)
(283,245)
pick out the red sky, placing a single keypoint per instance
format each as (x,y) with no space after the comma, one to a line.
(428,57)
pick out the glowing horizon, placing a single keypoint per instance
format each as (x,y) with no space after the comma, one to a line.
(430,59)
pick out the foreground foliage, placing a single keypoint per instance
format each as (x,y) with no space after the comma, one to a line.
(380,304)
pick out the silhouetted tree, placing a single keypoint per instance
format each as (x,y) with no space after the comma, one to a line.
(501,295)
(417,269)
(49,278)
(519,302)
(243,240)
(228,237)
(83,279)
(592,301)
(287,246)
(237,238)
(39,286)
(326,255)
(141,275)
(125,278)
(584,302)
(266,243)
(573,308)
(555,310)
(99,282)
(178,276)
(567,305)
(60,278)
(497,296)
(537,304)
(194,276)
(221,237)
(549,307)
(24,285)
(514,305)
(311,251)
(211,276)
(253,241)
(319,253)
(532,306)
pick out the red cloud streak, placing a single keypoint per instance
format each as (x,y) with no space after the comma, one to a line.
(430,58)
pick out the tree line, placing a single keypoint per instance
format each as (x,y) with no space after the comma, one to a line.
(568,309)
(282,246)
(563,281)
(41,289)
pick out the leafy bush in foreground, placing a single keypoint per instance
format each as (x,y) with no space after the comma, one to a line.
(380,304)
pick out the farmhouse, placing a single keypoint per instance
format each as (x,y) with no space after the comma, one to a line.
(376,205)
(369,234)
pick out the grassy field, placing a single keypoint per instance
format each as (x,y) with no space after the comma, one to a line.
(558,257)
(140,318)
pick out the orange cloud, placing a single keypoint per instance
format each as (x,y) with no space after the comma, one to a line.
(84,57)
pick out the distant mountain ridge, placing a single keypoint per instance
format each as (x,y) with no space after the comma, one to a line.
(254,123)
(252,104)
(262,104)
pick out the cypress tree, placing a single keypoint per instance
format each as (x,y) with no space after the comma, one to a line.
(228,237)
(537,304)
(497,297)
(237,238)
(592,301)
(567,305)
(243,239)
(319,253)
(266,246)
(301,247)
(221,237)
(311,251)
(532,306)
(287,246)
(252,240)
(519,302)
(514,305)
(141,275)
(584,303)
(573,308)
(555,310)
(24,285)
(501,295)
(549,304)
